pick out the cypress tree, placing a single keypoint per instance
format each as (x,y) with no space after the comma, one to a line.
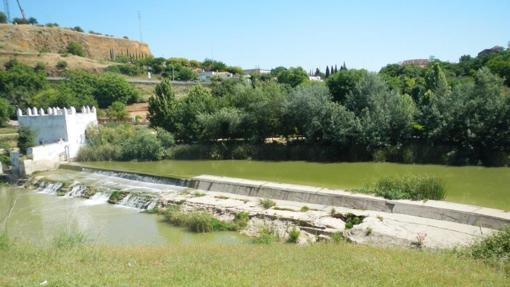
(317,72)
(327,71)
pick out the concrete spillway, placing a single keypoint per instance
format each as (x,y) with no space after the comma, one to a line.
(316,211)
(433,209)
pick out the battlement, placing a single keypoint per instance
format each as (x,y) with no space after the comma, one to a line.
(55,111)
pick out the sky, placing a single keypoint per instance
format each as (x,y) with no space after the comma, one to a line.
(268,33)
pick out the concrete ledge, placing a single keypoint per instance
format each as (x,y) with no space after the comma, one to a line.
(440,210)
(433,209)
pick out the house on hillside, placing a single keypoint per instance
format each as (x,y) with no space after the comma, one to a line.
(59,135)
(206,76)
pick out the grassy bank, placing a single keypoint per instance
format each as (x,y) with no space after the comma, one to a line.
(472,185)
(339,264)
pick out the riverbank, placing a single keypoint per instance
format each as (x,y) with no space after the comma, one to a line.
(471,185)
(339,264)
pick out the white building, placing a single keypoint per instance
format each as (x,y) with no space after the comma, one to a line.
(206,76)
(257,71)
(59,135)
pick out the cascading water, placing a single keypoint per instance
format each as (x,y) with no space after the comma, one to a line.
(139,201)
(49,187)
(77,190)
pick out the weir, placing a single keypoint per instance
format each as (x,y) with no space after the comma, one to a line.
(433,209)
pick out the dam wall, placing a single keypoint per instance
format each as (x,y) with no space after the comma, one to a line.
(432,209)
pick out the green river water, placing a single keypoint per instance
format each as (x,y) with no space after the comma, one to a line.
(37,218)
(488,187)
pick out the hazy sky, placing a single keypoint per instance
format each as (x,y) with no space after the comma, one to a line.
(269,33)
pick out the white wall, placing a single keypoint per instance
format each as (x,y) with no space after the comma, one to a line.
(49,152)
(54,125)
(49,128)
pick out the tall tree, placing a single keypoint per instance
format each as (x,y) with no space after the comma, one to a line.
(163,107)
(327,72)
(317,72)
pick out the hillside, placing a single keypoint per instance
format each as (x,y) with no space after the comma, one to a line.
(36,39)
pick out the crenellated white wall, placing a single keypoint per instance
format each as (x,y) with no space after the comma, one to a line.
(56,125)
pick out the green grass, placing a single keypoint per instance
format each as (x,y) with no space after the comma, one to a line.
(341,264)
(472,185)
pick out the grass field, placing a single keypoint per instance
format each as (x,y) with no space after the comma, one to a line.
(339,264)
(489,187)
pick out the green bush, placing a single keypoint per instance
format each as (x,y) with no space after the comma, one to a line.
(202,222)
(76,49)
(411,187)
(493,249)
(293,235)
(61,65)
(26,139)
(267,203)
(266,236)
(104,152)
(66,240)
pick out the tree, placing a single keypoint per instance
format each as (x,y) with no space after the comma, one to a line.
(26,139)
(117,111)
(76,49)
(163,107)
(20,21)
(198,101)
(343,82)
(317,72)
(327,72)
(32,21)
(3,18)
(293,76)
(78,29)
(5,112)
(143,145)
(18,83)
(110,88)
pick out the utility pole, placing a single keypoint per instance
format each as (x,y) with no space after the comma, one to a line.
(21,10)
(6,9)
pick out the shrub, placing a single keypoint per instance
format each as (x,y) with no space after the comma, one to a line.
(76,49)
(267,203)
(69,239)
(5,111)
(337,237)
(142,146)
(413,187)
(305,208)
(117,111)
(104,152)
(266,236)
(61,65)
(293,235)
(26,139)
(494,248)
(202,222)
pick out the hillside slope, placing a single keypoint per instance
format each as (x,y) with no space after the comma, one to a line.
(36,39)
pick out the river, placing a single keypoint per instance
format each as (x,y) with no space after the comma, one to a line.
(37,217)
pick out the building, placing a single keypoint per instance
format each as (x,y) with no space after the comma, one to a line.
(315,78)
(418,62)
(256,71)
(206,76)
(60,133)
